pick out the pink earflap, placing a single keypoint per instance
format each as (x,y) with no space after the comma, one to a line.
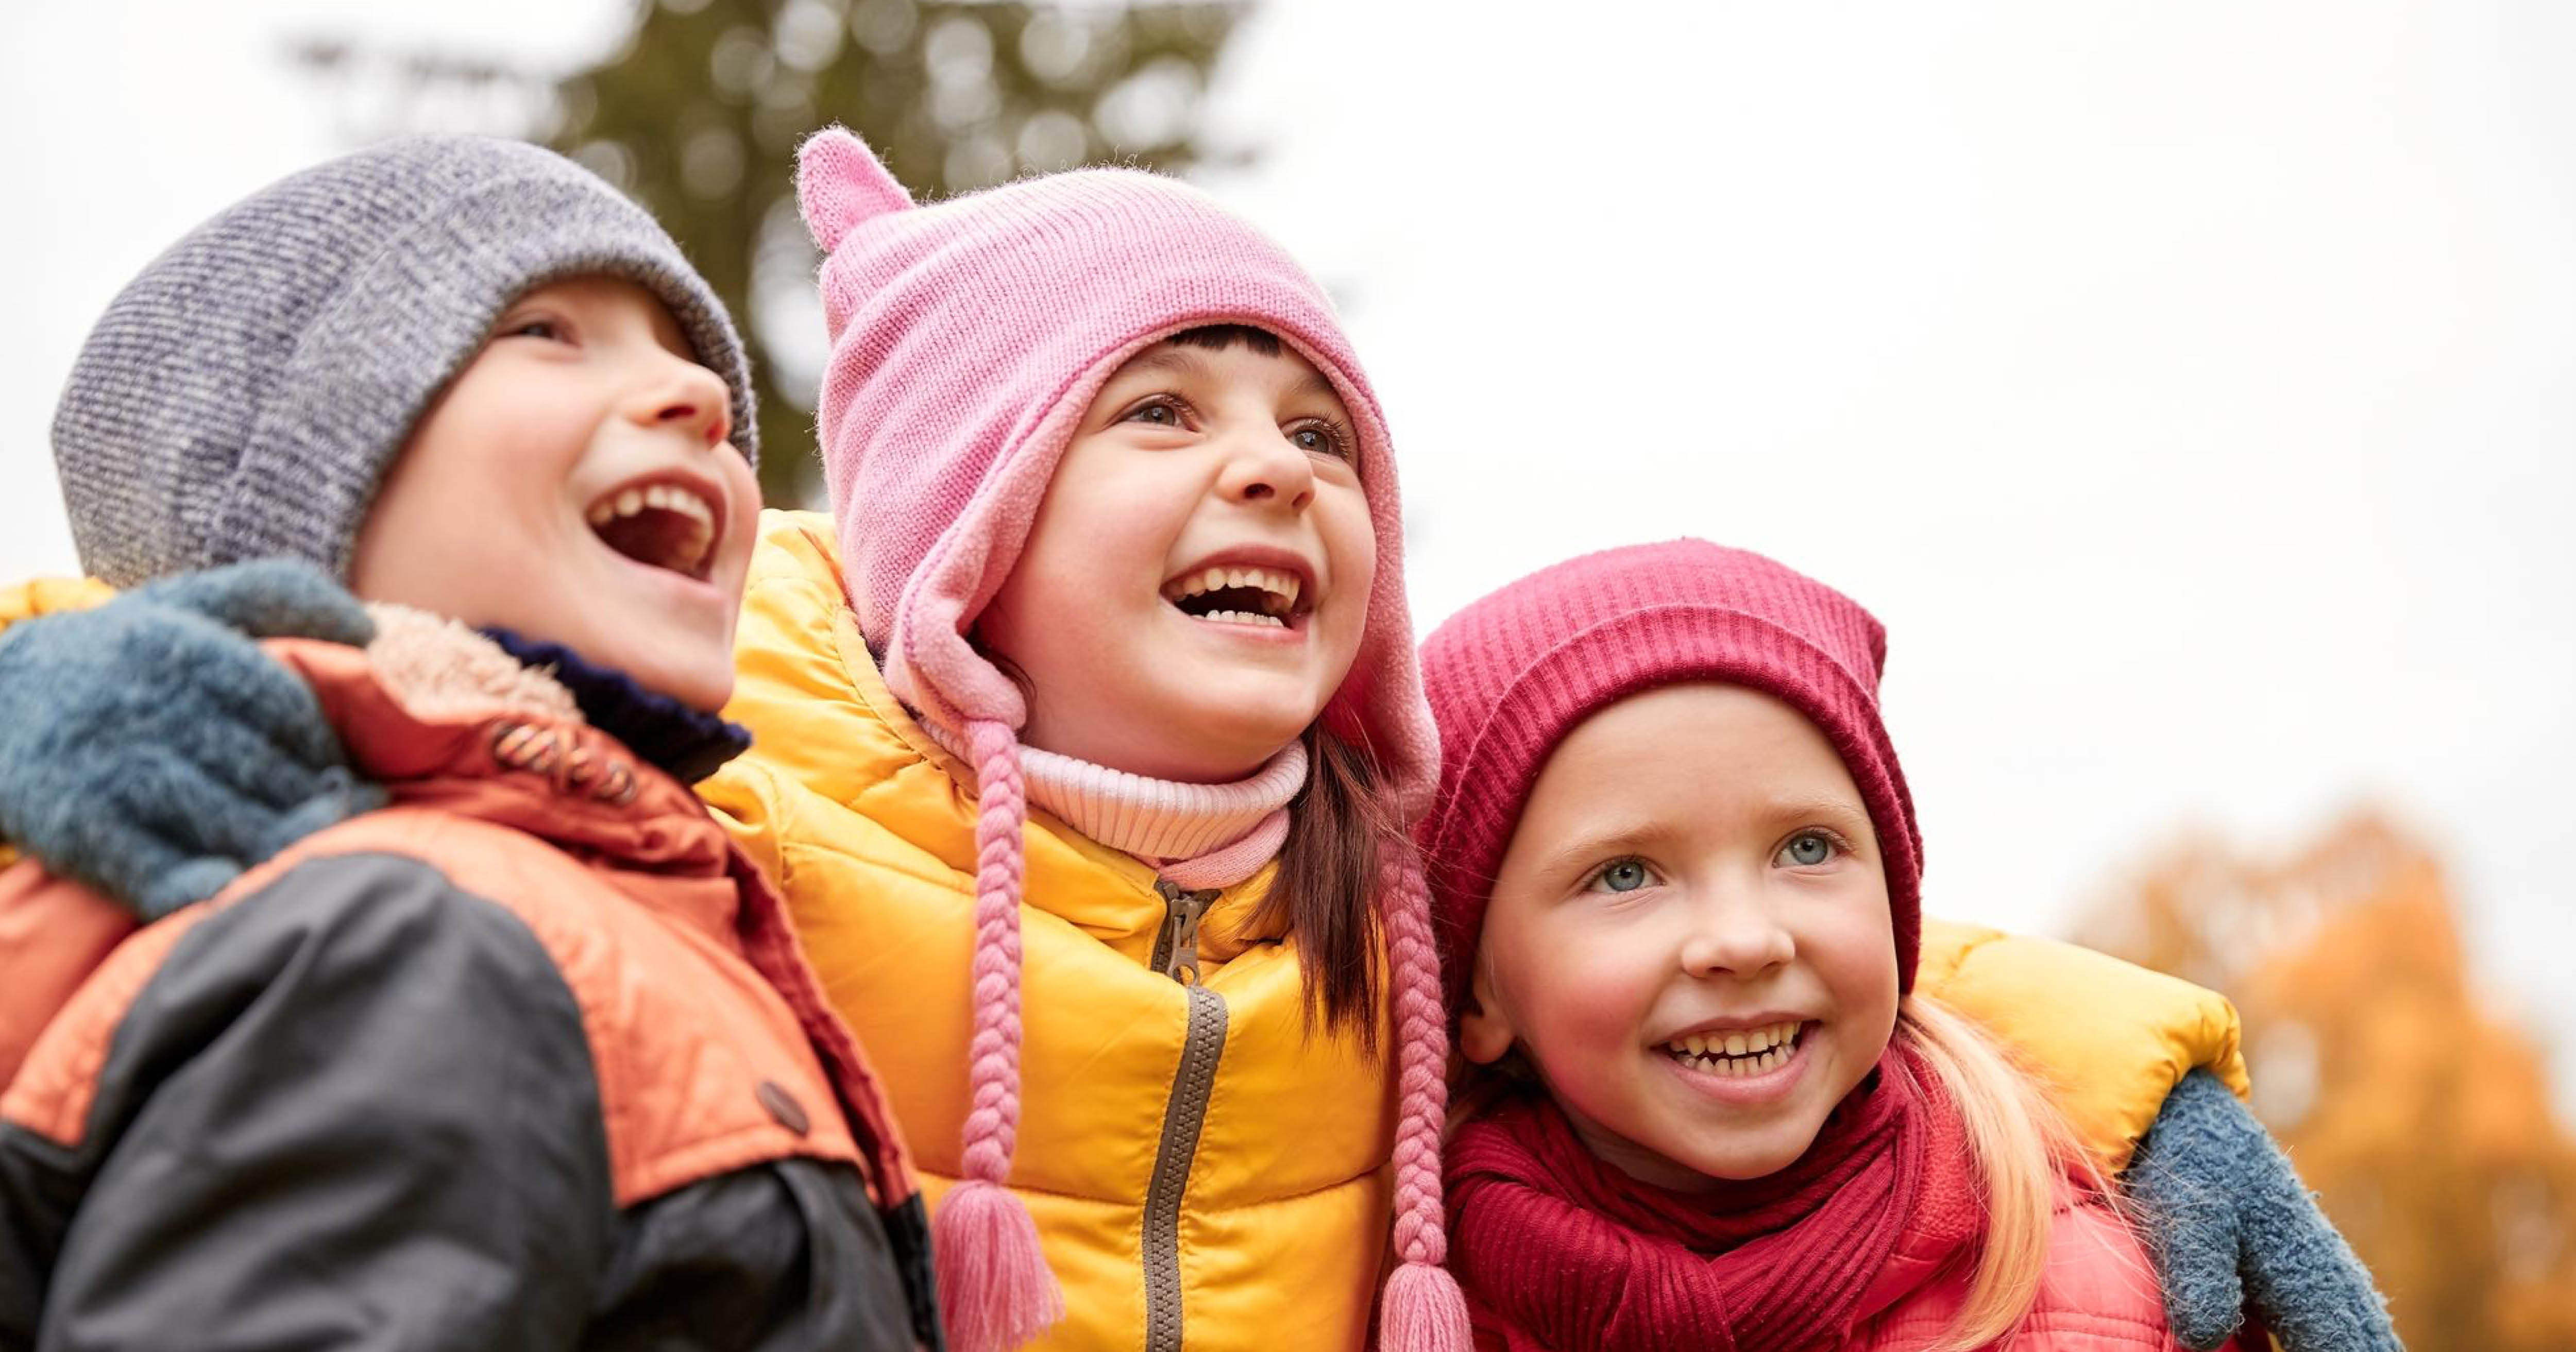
(839,183)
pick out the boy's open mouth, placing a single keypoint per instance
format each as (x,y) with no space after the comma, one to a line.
(660,525)
(1219,594)
(1737,1052)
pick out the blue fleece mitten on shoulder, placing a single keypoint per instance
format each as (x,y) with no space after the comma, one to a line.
(2235,1233)
(150,749)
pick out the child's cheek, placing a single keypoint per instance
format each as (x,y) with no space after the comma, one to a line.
(1590,1004)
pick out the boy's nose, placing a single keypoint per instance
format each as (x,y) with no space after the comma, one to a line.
(1264,466)
(1734,936)
(687,395)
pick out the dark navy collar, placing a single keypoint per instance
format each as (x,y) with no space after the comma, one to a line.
(687,744)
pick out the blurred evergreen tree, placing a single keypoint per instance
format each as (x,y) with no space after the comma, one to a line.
(698,109)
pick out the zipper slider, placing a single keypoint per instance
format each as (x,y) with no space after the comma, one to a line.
(1176,950)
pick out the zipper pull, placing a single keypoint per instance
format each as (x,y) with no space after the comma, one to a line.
(1176,951)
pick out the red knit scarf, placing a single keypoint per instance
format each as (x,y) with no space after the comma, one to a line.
(1565,1250)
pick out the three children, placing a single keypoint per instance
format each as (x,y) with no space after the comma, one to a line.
(1089,742)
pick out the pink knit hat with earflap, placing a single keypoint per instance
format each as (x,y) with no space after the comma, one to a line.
(1513,673)
(968,339)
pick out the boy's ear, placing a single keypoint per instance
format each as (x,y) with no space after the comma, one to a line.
(839,183)
(1484,1031)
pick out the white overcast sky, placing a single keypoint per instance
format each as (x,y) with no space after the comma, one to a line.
(2191,388)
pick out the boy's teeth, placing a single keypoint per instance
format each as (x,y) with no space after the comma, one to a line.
(682,550)
(664,497)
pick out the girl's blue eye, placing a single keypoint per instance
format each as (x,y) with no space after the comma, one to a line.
(532,327)
(1623,875)
(1807,849)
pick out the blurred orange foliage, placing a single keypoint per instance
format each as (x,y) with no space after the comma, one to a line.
(2422,1121)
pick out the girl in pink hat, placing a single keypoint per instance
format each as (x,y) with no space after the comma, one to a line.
(1089,740)
(1713,1099)
(1091,734)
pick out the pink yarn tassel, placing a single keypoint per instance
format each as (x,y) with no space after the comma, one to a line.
(995,1290)
(1423,1310)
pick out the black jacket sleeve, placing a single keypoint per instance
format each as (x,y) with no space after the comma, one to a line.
(783,1255)
(354,1110)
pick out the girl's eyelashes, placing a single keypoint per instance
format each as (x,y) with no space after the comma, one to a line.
(1324,436)
(1315,436)
(1158,410)
(1809,847)
(1624,874)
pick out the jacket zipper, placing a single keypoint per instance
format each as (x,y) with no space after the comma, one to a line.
(1176,955)
(1176,949)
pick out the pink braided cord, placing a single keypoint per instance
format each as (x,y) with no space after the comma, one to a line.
(995,1289)
(1423,1311)
(993,1057)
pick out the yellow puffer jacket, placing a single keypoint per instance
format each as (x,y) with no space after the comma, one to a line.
(45,596)
(48,595)
(1199,1167)
(1199,1164)
(2109,1039)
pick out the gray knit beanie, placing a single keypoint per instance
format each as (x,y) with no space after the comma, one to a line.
(245,395)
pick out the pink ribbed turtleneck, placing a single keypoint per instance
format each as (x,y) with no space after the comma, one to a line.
(1196,835)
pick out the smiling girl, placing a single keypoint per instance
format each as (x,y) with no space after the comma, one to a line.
(1089,740)
(1089,730)
(1678,875)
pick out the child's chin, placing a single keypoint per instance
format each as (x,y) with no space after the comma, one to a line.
(1261,711)
(705,692)
(701,680)
(1759,1157)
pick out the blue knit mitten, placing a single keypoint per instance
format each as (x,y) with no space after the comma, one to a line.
(2235,1233)
(149,747)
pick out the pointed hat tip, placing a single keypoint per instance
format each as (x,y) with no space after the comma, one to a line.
(840,183)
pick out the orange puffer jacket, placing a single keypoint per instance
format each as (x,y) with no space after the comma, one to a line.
(527,1059)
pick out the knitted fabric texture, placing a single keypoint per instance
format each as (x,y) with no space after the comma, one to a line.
(1163,821)
(1195,835)
(686,744)
(1513,673)
(244,396)
(968,340)
(150,750)
(2233,1229)
(1564,1248)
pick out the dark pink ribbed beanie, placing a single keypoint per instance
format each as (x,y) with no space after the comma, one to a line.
(968,339)
(1513,673)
